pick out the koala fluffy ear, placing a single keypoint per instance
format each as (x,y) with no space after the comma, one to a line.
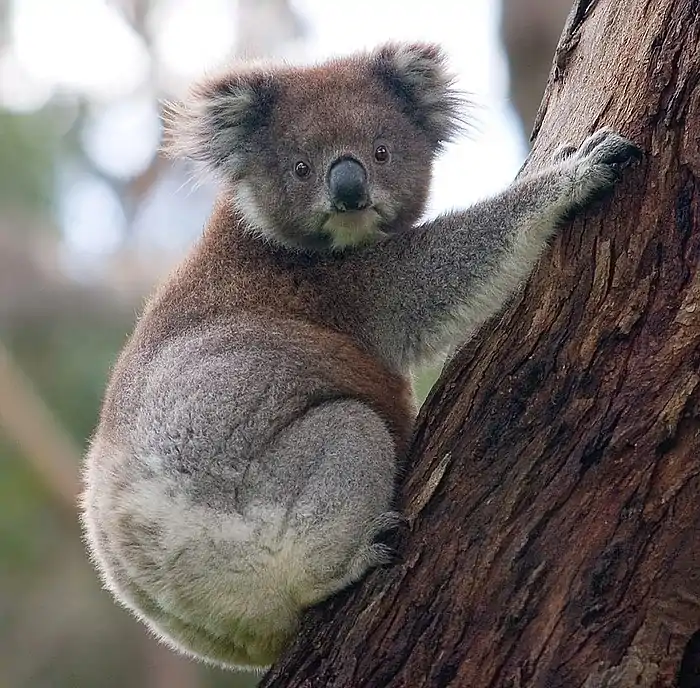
(417,74)
(215,124)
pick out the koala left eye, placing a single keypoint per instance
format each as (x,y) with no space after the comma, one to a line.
(381,154)
(302,170)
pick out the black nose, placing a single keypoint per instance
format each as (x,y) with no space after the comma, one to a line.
(347,183)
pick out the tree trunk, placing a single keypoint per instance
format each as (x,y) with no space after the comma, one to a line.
(529,31)
(553,487)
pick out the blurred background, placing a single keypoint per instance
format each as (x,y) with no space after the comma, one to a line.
(91,217)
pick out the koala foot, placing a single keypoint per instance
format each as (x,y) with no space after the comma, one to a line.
(595,167)
(379,551)
(373,551)
(385,532)
(389,520)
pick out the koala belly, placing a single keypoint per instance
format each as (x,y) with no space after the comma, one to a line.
(218,522)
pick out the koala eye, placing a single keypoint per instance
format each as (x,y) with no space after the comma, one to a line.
(381,154)
(302,170)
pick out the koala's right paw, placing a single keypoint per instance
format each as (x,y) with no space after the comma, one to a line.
(595,166)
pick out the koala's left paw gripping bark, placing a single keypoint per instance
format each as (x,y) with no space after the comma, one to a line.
(595,166)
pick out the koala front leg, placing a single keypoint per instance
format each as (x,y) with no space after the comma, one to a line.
(426,289)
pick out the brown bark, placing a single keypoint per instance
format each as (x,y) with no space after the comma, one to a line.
(553,488)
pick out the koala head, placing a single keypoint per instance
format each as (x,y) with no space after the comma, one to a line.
(328,156)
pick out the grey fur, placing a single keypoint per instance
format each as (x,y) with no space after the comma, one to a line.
(249,441)
(455,272)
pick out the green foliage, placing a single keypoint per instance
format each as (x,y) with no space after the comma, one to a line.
(424,381)
(23,510)
(28,145)
(69,366)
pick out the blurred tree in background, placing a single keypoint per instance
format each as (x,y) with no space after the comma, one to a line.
(530,30)
(76,154)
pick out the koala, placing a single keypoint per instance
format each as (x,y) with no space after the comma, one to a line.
(245,461)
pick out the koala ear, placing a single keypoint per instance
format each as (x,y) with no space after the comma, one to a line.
(417,74)
(215,124)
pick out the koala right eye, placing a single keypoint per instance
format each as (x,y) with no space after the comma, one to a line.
(381,154)
(302,170)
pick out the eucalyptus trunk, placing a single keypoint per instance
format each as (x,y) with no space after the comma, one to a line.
(553,486)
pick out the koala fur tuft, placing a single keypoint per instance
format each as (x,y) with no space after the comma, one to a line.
(417,74)
(251,433)
(213,125)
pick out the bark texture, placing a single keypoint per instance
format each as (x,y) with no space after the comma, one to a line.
(553,487)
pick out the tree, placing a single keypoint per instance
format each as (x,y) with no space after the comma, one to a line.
(529,30)
(553,486)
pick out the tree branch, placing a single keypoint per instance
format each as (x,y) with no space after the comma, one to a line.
(28,421)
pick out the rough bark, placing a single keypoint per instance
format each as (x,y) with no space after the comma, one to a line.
(553,488)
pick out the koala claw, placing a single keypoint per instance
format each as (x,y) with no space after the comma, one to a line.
(388,521)
(605,147)
(564,152)
(595,166)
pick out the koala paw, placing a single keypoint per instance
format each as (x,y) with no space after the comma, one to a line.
(387,522)
(595,166)
(385,533)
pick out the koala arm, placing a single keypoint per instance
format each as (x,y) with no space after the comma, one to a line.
(428,288)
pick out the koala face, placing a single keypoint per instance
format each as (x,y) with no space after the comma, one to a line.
(329,156)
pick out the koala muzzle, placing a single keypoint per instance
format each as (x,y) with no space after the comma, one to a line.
(347,183)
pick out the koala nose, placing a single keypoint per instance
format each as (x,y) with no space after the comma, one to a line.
(347,183)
